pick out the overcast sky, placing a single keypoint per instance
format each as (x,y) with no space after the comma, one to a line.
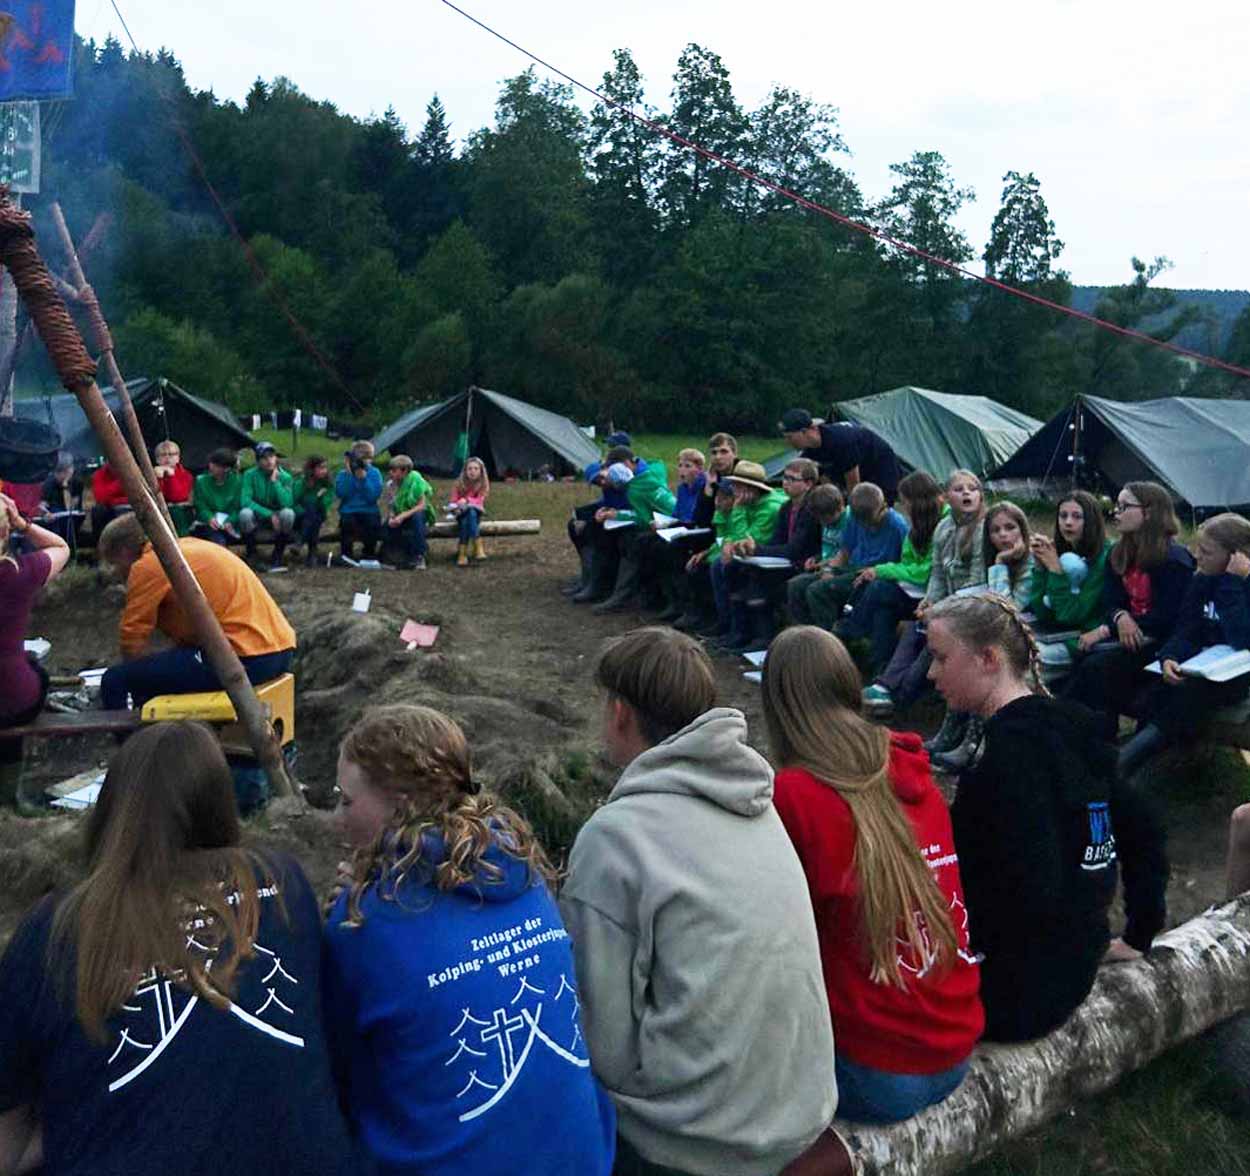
(1134,115)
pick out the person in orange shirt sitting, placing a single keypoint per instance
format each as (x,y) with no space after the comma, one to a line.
(253,624)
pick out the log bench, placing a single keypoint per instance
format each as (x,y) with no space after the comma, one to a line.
(55,724)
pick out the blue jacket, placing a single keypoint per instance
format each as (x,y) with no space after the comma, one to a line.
(453,1020)
(1215,611)
(616,497)
(688,498)
(882,544)
(358,495)
(1168,583)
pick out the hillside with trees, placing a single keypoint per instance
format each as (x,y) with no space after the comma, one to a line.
(578,261)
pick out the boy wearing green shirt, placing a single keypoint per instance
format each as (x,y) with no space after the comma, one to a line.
(216,498)
(312,495)
(410,510)
(266,501)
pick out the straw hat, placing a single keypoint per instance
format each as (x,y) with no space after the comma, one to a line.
(750,473)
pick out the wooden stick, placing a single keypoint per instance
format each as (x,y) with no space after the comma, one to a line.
(104,345)
(74,365)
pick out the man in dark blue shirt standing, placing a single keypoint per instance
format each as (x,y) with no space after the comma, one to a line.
(847,454)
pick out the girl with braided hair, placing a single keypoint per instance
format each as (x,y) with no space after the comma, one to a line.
(1031,819)
(451,999)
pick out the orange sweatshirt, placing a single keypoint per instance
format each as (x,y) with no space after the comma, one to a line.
(252,622)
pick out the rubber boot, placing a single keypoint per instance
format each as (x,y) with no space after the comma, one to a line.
(739,635)
(762,628)
(1148,741)
(311,559)
(249,546)
(949,735)
(279,550)
(595,588)
(573,587)
(462,555)
(479,549)
(626,585)
(675,605)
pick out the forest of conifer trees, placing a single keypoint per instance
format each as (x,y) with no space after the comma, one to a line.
(580,262)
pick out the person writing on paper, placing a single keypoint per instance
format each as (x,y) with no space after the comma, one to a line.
(218,495)
(647,493)
(755,591)
(1148,573)
(253,624)
(1215,612)
(22,577)
(753,517)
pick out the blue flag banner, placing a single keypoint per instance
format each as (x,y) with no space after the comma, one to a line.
(36,49)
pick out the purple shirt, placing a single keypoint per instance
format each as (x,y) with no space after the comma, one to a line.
(19,582)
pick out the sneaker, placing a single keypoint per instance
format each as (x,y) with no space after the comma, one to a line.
(877,698)
(418,565)
(274,569)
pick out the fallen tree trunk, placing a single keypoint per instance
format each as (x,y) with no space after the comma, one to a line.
(501,528)
(1196,976)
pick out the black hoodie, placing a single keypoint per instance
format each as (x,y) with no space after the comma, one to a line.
(1038,860)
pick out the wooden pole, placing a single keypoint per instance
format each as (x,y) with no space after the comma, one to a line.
(104,345)
(89,244)
(77,371)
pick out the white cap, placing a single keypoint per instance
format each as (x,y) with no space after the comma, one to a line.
(619,474)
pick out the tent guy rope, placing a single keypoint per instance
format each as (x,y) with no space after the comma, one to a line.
(848,222)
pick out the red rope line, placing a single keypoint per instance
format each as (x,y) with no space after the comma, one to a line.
(850,223)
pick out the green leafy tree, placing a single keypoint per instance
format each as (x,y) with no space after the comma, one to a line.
(527,183)
(1005,331)
(706,112)
(436,363)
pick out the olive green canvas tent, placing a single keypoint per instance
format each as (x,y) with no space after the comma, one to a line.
(1199,449)
(509,435)
(937,431)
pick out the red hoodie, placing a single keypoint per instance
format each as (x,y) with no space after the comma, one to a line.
(107,488)
(177,487)
(933,1024)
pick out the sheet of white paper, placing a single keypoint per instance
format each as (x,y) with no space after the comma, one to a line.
(617,524)
(753,676)
(39,646)
(764,561)
(80,798)
(668,534)
(361,602)
(664,520)
(756,656)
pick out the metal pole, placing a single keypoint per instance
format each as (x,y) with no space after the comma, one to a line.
(104,344)
(76,369)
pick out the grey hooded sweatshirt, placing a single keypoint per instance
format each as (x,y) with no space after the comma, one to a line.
(697,959)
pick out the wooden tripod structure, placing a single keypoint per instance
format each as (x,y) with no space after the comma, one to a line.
(38,291)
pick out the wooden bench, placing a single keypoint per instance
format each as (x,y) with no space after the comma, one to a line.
(51,724)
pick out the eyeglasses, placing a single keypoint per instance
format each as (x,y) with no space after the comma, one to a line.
(1121,507)
(793,478)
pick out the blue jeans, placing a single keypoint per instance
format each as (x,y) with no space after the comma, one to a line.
(876,615)
(720,588)
(469,522)
(184,670)
(877,1096)
(415,545)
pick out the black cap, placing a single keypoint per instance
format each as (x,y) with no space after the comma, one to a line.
(612,440)
(795,419)
(263,447)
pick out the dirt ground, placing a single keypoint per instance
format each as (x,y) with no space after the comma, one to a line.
(512,664)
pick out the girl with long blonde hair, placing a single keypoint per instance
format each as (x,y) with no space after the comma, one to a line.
(451,997)
(468,503)
(874,838)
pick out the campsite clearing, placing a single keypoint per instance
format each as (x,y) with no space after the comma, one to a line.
(513,663)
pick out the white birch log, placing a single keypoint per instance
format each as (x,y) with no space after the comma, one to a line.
(1197,975)
(488,527)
